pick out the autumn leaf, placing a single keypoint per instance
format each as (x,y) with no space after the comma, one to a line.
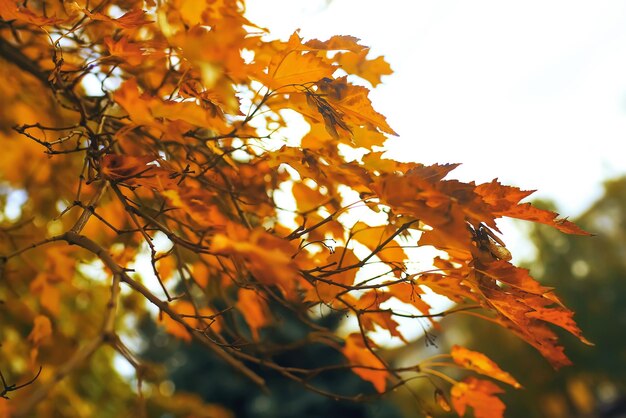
(293,66)
(264,254)
(128,96)
(517,277)
(368,69)
(479,395)
(504,201)
(371,314)
(337,43)
(353,102)
(41,332)
(368,366)
(480,363)
(523,314)
(200,319)
(380,240)
(254,310)
(329,287)
(129,52)
(196,204)
(410,293)
(248,173)
(14,10)
(128,20)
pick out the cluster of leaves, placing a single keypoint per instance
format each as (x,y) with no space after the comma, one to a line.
(160,131)
(590,274)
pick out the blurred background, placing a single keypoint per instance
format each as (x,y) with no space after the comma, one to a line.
(533,93)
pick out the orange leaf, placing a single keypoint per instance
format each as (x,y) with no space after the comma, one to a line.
(454,288)
(129,20)
(410,293)
(254,310)
(307,198)
(137,106)
(518,277)
(190,317)
(49,294)
(295,66)
(521,312)
(504,201)
(267,257)
(132,53)
(373,238)
(124,167)
(5,408)
(371,314)
(358,64)
(42,329)
(10,10)
(478,394)
(326,292)
(353,102)
(482,364)
(373,370)
(336,43)
(198,204)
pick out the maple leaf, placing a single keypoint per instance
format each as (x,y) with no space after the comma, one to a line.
(353,102)
(200,319)
(327,289)
(368,366)
(524,314)
(293,66)
(13,10)
(41,332)
(130,52)
(371,314)
(254,310)
(504,201)
(188,160)
(410,293)
(480,363)
(265,256)
(479,395)
(128,20)
(370,70)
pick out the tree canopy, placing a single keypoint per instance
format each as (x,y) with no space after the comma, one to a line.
(152,168)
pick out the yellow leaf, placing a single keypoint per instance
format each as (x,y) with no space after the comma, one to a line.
(357,63)
(295,67)
(374,238)
(307,199)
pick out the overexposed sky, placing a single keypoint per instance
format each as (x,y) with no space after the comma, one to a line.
(531,92)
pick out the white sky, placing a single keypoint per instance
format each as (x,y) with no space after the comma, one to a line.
(531,92)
